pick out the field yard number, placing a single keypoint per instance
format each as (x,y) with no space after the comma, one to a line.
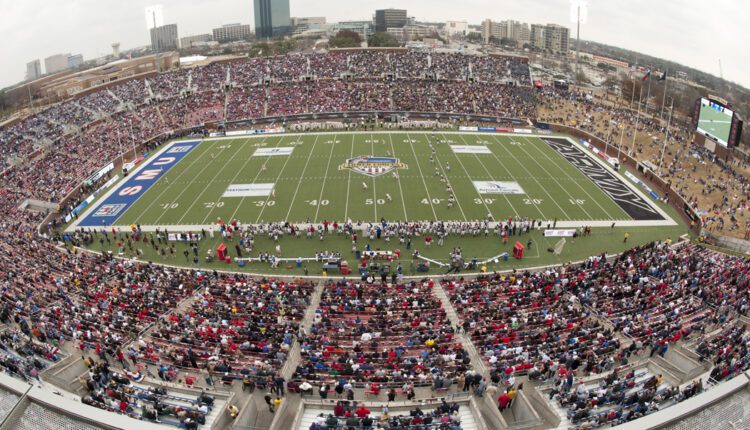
(482,142)
(433,201)
(258,145)
(315,202)
(410,141)
(373,141)
(333,141)
(261,203)
(532,201)
(211,205)
(484,201)
(513,142)
(297,143)
(577,201)
(372,202)
(166,206)
(224,146)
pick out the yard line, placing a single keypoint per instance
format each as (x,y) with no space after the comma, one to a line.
(278,177)
(421,174)
(523,166)
(197,198)
(235,177)
(458,202)
(507,199)
(302,175)
(398,179)
(374,191)
(570,196)
(581,187)
(481,198)
(349,181)
(330,155)
(187,169)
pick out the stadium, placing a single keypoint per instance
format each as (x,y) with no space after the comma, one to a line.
(190,248)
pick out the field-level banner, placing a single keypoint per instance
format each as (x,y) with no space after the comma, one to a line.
(248,190)
(470,149)
(497,187)
(129,191)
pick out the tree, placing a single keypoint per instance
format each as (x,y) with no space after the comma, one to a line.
(345,39)
(505,41)
(383,40)
(260,50)
(474,37)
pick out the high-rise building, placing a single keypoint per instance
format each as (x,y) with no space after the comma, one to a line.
(164,38)
(556,38)
(56,63)
(195,40)
(537,36)
(74,61)
(389,18)
(513,30)
(33,70)
(456,27)
(271,18)
(232,32)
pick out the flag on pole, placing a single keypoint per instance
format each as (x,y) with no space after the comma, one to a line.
(647,75)
(663,76)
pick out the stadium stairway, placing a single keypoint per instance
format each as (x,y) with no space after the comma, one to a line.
(294,357)
(450,312)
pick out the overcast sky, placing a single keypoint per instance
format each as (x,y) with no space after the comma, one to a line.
(692,32)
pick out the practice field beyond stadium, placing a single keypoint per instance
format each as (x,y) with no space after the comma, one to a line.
(308,178)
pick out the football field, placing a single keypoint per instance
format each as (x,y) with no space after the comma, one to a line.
(369,177)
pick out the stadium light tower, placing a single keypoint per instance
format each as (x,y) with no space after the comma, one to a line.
(579,13)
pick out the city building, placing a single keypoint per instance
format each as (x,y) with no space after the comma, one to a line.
(453,28)
(271,18)
(556,38)
(513,30)
(389,18)
(551,37)
(412,32)
(116,49)
(33,70)
(536,36)
(67,85)
(232,33)
(196,40)
(303,24)
(56,63)
(164,38)
(74,61)
(363,28)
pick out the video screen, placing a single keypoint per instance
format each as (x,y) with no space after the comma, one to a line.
(715,121)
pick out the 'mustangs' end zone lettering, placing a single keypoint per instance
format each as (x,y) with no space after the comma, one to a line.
(632,203)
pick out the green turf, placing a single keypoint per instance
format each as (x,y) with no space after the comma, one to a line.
(310,186)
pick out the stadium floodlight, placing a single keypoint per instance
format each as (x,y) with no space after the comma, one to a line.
(154,16)
(584,11)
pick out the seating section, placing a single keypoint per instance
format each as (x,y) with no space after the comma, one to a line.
(368,334)
(237,323)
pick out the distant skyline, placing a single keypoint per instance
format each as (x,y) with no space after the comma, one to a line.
(691,32)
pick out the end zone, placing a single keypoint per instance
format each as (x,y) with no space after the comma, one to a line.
(118,200)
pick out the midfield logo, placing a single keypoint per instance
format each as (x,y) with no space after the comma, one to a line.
(372,166)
